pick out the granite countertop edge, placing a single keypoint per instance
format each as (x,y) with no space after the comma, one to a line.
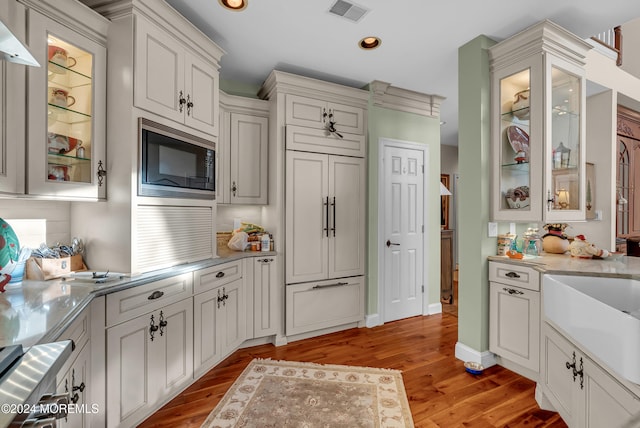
(92,291)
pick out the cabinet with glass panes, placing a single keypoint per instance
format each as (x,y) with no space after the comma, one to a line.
(66,108)
(538,126)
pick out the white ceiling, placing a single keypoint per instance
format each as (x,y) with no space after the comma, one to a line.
(420,41)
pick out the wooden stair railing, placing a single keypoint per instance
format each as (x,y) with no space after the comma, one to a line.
(611,39)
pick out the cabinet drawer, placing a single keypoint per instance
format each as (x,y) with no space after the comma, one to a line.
(516,275)
(79,332)
(127,304)
(318,305)
(208,279)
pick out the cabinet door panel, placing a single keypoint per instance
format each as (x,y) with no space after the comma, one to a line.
(249,159)
(515,324)
(347,227)
(54,166)
(159,71)
(266,295)
(206,343)
(305,111)
(320,141)
(557,381)
(129,357)
(347,118)
(307,212)
(178,343)
(201,83)
(234,317)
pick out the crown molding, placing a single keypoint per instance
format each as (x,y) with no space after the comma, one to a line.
(385,95)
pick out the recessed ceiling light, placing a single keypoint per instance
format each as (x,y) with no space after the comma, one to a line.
(235,5)
(370,42)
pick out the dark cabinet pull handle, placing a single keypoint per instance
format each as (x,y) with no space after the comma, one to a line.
(512,275)
(220,274)
(163,323)
(155,295)
(234,188)
(337,284)
(389,243)
(189,105)
(265,260)
(181,101)
(220,299)
(325,228)
(152,328)
(101,173)
(512,291)
(333,220)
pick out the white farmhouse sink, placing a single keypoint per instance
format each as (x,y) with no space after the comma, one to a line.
(601,314)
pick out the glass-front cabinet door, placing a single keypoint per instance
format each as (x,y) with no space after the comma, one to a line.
(517,148)
(565,144)
(538,126)
(66,133)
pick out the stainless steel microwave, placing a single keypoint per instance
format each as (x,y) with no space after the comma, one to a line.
(175,164)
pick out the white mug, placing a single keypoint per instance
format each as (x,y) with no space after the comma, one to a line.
(60,97)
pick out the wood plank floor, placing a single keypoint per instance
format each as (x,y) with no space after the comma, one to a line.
(441,393)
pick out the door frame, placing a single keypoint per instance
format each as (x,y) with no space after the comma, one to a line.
(424,148)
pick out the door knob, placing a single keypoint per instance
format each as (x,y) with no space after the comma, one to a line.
(389,243)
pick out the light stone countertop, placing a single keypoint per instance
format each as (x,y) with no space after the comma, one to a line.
(621,267)
(36,312)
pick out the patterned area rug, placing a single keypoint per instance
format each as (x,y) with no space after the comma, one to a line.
(291,394)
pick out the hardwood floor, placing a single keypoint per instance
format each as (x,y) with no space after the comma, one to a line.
(440,392)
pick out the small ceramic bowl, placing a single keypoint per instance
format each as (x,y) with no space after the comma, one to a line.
(473,368)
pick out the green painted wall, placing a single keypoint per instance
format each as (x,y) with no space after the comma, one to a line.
(232,87)
(392,124)
(474,164)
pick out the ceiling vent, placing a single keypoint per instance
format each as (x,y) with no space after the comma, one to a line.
(348,10)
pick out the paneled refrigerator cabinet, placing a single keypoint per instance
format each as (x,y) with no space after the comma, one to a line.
(319,130)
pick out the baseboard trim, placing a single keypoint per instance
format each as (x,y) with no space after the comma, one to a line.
(372,320)
(465,353)
(434,308)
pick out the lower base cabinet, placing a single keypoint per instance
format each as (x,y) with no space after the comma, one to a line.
(582,392)
(324,304)
(267,309)
(75,382)
(220,324)
(149,358)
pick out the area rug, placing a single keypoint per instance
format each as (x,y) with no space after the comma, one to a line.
(291,394)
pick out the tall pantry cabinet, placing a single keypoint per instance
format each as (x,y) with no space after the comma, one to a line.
(319,129)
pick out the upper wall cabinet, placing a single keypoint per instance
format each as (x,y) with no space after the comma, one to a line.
(173,81)
(538,125)
(66,101)
(315,113)
(243,151)
(12,107)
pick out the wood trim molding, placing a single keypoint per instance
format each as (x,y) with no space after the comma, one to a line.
(385,95)
(628,123)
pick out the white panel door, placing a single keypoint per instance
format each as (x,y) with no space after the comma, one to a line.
(159,71)
(249,159)
(403,224)
(307,209)
(201,86)
(206,350)
(346,213)
(176,333)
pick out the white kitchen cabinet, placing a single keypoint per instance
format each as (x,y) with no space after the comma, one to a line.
(323,304)
(12,108)
(66,101)
(538,126)
(76,382)
(173,81)
(582,392)
(243,174)
(267,297)
(317,113)
(220,317)
(325,216)
(149,358)
(514,315)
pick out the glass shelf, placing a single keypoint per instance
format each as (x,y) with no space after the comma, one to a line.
(65,160)
(65,76)
(66,115)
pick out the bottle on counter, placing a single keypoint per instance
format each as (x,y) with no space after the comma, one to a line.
(265,242)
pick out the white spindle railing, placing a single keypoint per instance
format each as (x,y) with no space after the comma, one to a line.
(612,39)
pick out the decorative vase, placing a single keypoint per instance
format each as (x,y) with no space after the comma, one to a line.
(555,244)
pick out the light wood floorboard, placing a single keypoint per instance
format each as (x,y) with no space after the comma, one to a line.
(440,392)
